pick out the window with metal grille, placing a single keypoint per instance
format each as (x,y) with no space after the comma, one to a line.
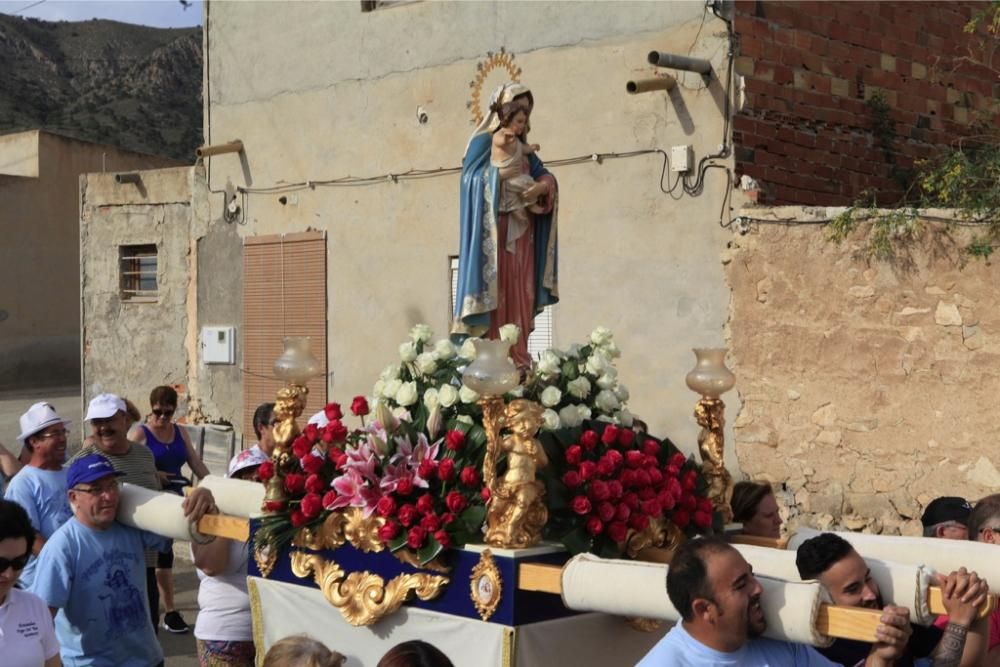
(541,338)
(137,272)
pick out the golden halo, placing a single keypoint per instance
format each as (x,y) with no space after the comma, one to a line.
(493,61)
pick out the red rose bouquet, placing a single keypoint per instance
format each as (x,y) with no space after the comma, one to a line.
(605,481)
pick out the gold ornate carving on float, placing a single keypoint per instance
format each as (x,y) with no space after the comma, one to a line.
(265,557)
(484,68)
(486,585)
(363,598)
(517,512)
(349,525)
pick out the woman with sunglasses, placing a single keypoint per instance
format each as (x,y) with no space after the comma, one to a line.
(171,448)
(29,637)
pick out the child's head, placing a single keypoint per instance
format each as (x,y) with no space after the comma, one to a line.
(301,651)
(511,113)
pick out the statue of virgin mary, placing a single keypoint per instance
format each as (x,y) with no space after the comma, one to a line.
(503,278)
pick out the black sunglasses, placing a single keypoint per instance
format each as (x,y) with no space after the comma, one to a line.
(16,563)
(163,413)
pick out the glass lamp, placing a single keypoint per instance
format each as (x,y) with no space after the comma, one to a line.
(710,377)
(492,373)
(297,365)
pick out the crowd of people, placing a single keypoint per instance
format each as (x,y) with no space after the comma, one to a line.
(79,588)
(714,590)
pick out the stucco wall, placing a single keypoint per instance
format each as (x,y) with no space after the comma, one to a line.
(40,253)
(329,91)
(129,347)
(867,387)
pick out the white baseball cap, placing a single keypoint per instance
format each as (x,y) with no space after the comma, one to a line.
(103,406)
(39,417)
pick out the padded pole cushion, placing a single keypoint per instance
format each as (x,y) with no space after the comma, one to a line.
(235,497)
(901,584)
(935,554)
(632,588)
(156,511)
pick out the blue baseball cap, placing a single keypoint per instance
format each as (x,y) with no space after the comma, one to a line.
(90,468)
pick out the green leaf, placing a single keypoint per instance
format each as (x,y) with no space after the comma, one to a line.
(577,541)
(429,551)
(398,542)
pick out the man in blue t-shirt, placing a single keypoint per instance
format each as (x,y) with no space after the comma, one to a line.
(93,571)
(714,590)
(40,487)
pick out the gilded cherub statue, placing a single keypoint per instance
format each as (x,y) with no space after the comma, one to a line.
(708,412)
(517,509)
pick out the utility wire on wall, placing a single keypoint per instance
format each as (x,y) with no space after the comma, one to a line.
(690,186)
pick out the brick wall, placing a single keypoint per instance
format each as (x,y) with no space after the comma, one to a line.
(807,132)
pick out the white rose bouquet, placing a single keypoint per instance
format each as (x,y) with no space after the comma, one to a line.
(580,383)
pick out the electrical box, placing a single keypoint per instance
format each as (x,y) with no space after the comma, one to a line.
(680,159)
(218,345)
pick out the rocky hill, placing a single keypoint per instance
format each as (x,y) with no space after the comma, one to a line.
(128,85)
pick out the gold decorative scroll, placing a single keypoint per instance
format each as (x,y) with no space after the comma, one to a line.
(349,525)
(363,598)
(265,557)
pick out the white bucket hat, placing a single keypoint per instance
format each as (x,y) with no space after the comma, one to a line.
(103,406)
(39,417)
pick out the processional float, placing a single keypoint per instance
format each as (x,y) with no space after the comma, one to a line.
(512,598)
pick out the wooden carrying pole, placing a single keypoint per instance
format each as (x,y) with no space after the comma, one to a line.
(221,525)
(855,623)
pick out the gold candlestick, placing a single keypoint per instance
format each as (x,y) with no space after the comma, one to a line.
(515,512)
(296,366)
(711,379)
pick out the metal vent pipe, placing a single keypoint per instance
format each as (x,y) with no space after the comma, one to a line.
(699,65)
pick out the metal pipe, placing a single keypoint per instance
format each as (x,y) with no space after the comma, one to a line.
(699,65)
(128,177)
(218,149)
(647,85)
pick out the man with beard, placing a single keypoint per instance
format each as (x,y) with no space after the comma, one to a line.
(832,561)
(40,487)
(714,590)
(109,420)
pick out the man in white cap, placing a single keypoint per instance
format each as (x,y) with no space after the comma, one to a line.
(109,421)
(40,487)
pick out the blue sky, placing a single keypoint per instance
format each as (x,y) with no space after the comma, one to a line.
(159,13)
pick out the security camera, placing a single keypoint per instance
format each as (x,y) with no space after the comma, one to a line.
(422,117)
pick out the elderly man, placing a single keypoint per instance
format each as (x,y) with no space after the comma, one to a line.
(714,589)
(40,487)
(843,572)
(947,517)
(92,572)
(109,422)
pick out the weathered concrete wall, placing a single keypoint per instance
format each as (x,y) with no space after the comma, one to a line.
(40,252)
(218,387)
(330,92)
(130,347)
(867,388)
